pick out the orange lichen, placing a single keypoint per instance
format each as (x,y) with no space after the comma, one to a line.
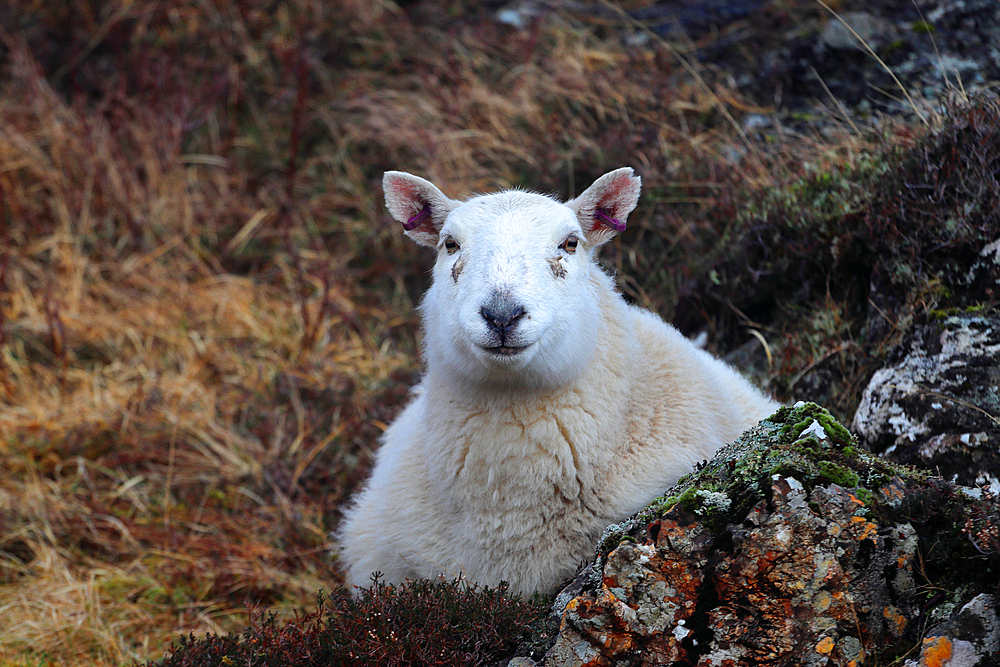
(897,621)
(936,652)
(868,531)
(825,645)
(894,491)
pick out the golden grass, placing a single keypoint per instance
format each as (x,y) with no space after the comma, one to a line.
(164,423)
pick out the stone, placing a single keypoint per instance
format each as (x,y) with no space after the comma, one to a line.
(853,30)
(821,556)
(520,662)
(938,404)
(970,638)
(647,595)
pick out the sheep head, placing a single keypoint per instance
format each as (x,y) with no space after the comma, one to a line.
(515,298)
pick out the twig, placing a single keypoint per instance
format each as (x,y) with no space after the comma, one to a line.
(964,404)
(686,64)
(881,62)
(839,104)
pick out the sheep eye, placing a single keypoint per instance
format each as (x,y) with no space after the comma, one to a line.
(451,245)
(570,244)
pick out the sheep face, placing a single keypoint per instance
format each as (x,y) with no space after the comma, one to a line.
(514,298)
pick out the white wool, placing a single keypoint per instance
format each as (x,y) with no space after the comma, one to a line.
(549,409)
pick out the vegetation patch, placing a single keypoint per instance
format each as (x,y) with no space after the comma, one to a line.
(417,623)
(834,265)
(807,443)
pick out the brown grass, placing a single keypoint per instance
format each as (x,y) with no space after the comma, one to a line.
(206,318)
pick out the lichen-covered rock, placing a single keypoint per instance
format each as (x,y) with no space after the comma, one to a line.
(647,595)
(970,638)
(938,404)
(804,565)
(793,546)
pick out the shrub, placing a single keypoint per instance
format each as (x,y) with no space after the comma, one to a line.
(418,623)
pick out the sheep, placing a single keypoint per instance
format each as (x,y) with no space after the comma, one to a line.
(549,407)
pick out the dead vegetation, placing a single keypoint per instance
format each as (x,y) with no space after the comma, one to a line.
(206,317)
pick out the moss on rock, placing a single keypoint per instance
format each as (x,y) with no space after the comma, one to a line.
(793,523)
(805,442)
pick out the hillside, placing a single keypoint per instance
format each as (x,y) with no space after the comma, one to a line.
(207,317)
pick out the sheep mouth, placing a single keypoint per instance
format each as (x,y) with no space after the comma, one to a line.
(505,350)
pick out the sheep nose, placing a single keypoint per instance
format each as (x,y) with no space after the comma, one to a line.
(502,320)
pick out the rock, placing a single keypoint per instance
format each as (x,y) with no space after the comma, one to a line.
(520,662)
(938,405)
(855,30)
(821,562)
(647,596)
(792,546)
(970,638)
(942,46)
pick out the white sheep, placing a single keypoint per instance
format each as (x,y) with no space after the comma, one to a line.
(550,407)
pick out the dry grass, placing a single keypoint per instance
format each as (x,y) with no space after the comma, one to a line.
(167,423)
(205,315)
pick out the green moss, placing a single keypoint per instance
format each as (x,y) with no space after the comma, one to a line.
(865,496)
(955,531)
(838,474)
(803,441)
(894,45)
(800,419)
(983,309)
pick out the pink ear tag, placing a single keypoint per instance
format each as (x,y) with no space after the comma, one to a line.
(414,221)
(608,221)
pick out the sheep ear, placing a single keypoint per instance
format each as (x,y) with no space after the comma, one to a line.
(604,206)
(418,204)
